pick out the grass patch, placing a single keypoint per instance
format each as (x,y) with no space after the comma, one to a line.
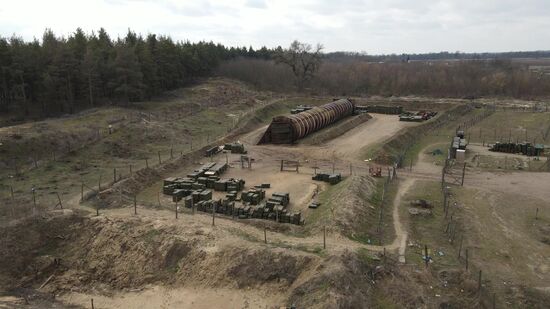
(323,213)
(428,230)
(367,232)
(505,125)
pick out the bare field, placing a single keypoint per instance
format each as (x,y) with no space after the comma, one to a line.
(64,258)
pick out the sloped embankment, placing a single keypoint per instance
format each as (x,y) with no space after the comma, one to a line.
(67,253)
(397,145)
(82,253)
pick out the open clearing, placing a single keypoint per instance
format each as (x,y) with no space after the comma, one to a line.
(373,252)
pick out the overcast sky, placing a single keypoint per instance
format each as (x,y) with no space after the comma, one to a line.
(378,26)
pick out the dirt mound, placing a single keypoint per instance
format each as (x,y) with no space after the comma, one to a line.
(340,282)
(71,252)
(350,207)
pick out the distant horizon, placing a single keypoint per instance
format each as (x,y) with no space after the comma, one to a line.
(362,53)
(372,27)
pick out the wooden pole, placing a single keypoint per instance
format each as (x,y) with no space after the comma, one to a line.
(146,163)
(135,205)
(176,208)
(34,199)
(350,169)
(460,246)
(479,282)
(171,153)
(82,192)
(97,210)
(158,197)
(130,170)
(324,237)
(466,258)
(536,213)
(92,301)
(265,235)
(99,184)
(114,174)
(463,173)
(59,199)
(160,161)
(213,214)
(426,255)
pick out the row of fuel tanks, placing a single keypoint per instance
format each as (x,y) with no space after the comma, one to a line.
(289,129)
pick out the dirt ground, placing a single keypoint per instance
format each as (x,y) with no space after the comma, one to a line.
(189,262)
(164,298)
(503,236)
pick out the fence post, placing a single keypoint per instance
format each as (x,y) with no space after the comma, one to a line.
(158,197)
(479,283)
(536,213)
(114,175)
(34,200)
(463,173)
(130,170)
(176,208)
(466,258)
(135,204)
(426,255)
(82,192)
(213,214)
(265,235)
(160,161)
(171,153)
(59,199)
(146,163)
(92,301)
(324,237)
(460,247)
(99,184)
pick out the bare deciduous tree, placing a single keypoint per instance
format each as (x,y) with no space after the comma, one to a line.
(303,59)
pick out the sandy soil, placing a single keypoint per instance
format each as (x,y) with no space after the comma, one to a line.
(377,129)
(186,297)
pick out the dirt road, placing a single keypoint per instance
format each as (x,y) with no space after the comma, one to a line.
(400,242)
(381,127)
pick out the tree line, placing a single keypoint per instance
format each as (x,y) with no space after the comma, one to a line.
(58,74)
(457,79)
(349,56)
(64,74)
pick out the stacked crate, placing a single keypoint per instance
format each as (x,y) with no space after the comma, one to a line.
(326,177)
(253,196)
